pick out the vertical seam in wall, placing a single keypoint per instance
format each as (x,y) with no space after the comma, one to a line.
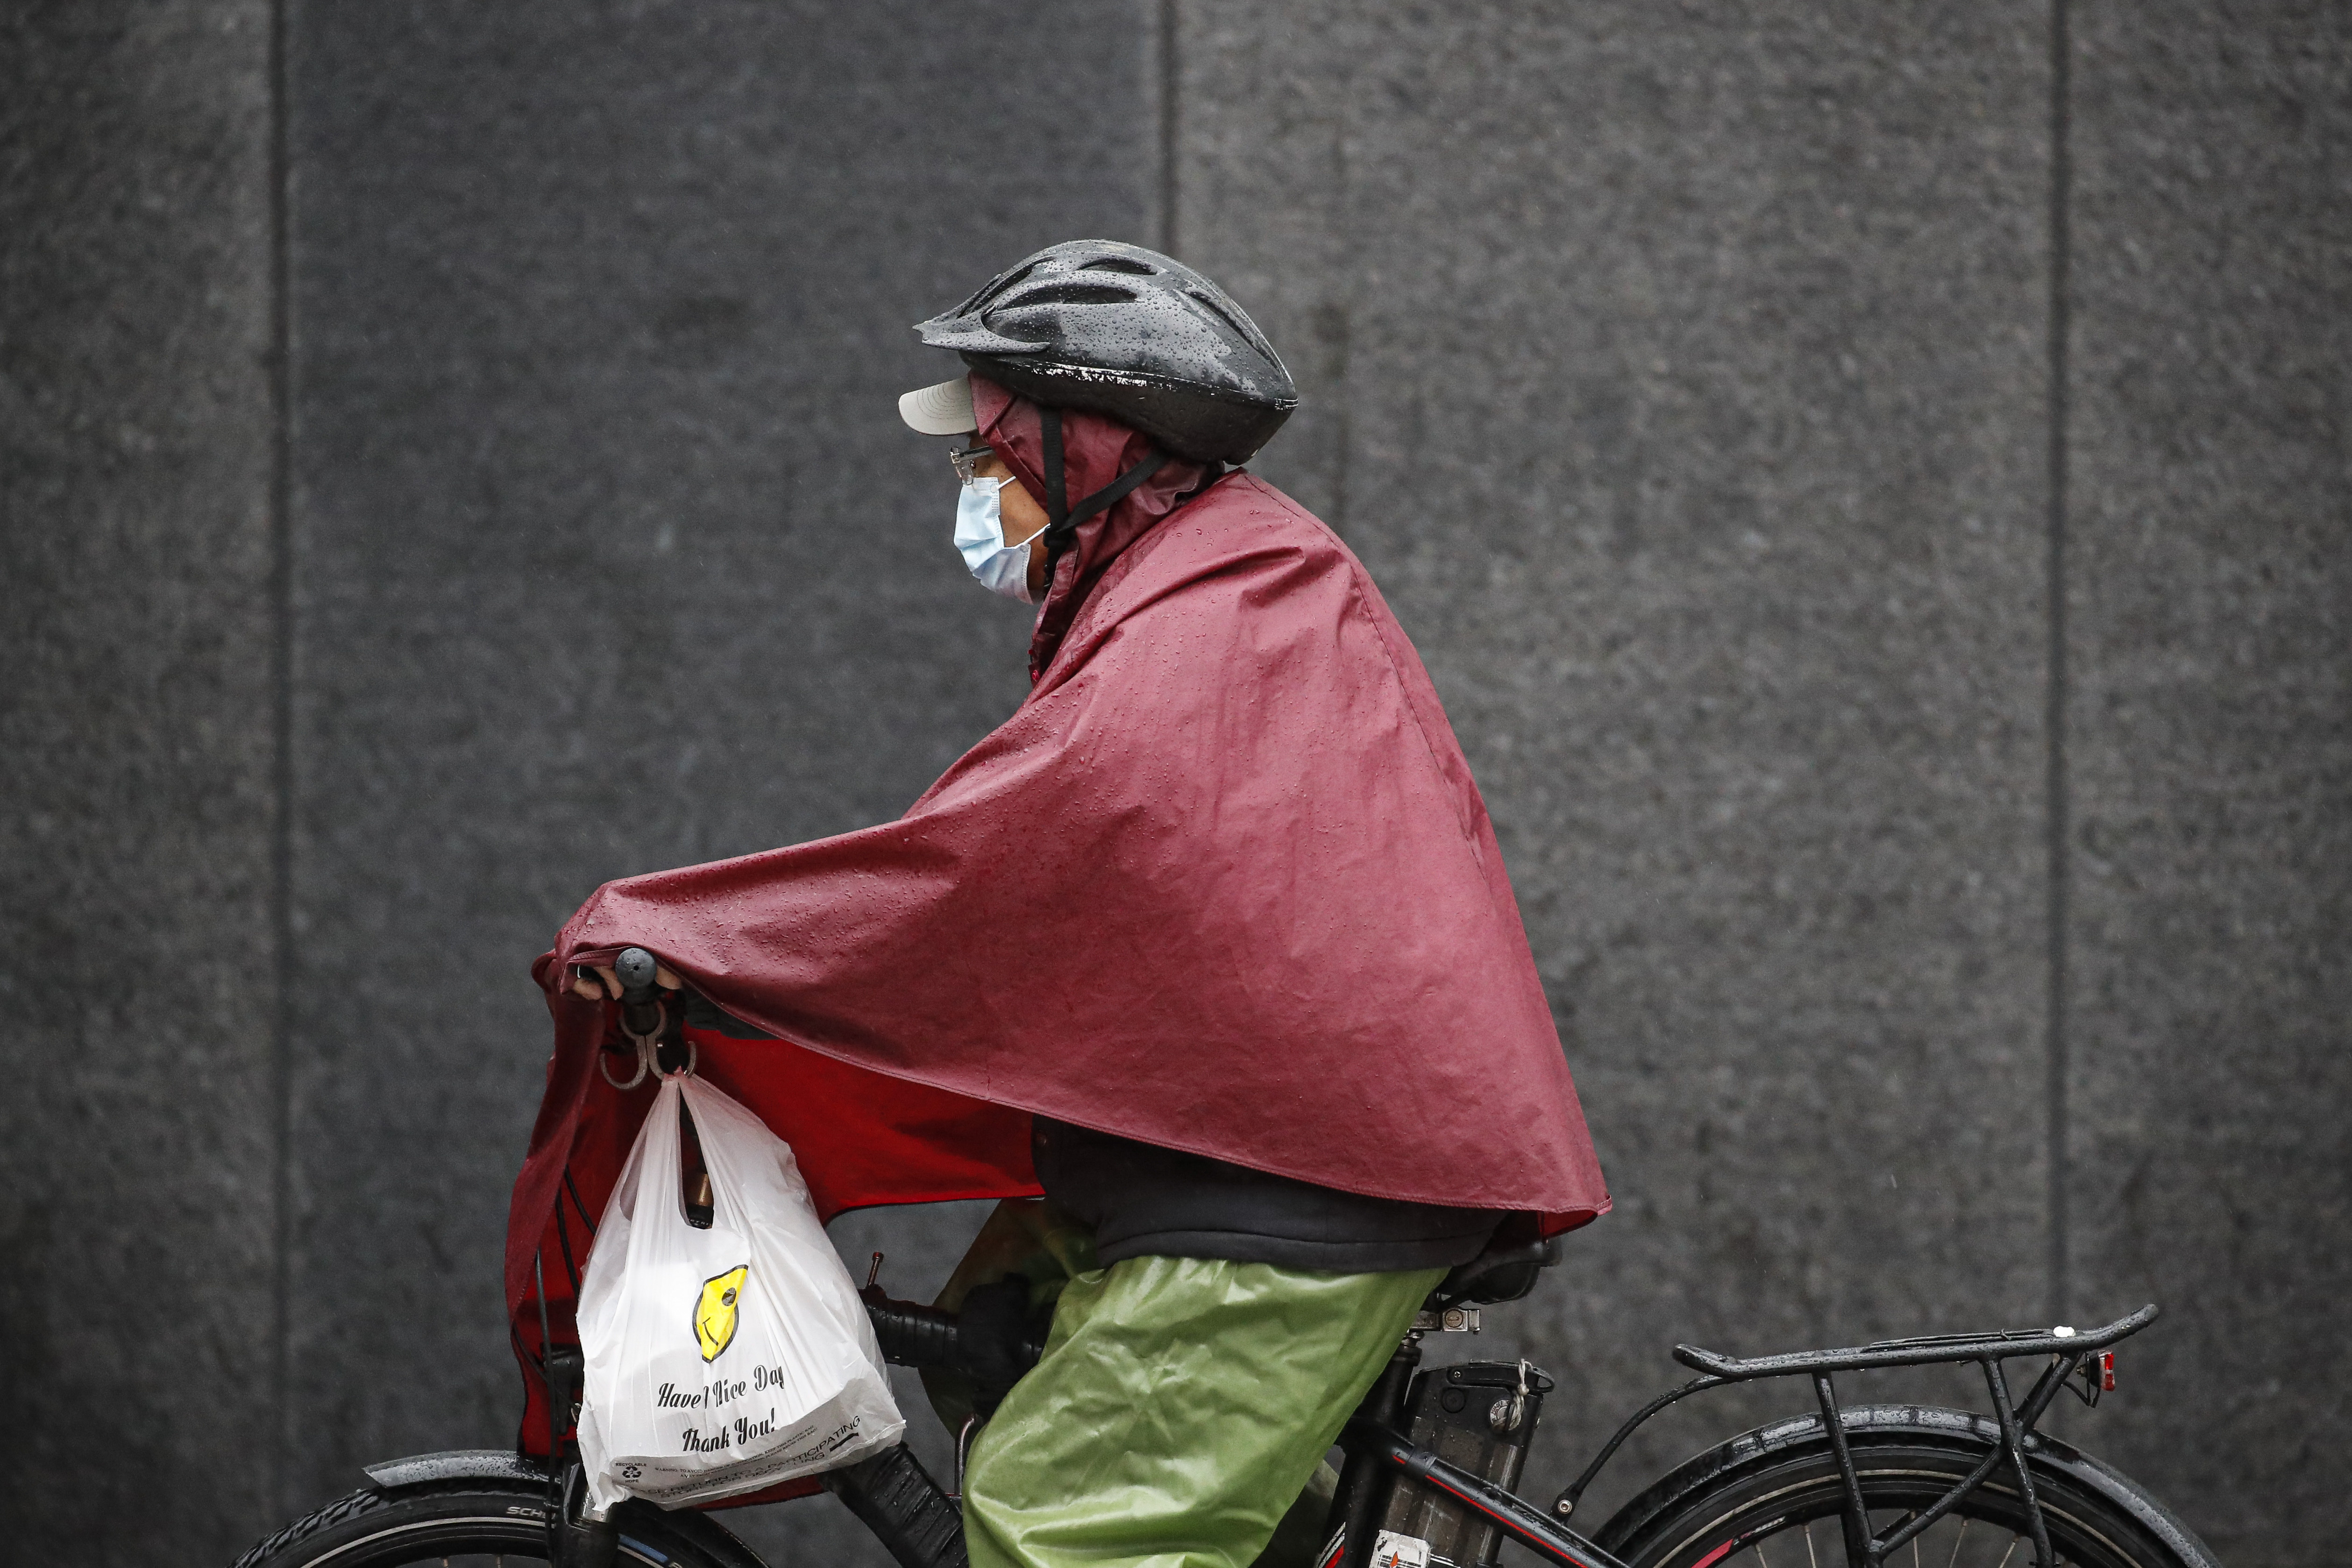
(281,847)
(1344,436)
(1343,365)
(2054,784)
(1168,126)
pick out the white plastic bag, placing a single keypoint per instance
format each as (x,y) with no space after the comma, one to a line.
(724,1360)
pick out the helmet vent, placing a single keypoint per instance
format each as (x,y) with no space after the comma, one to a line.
(1219,311)
(996,290)
(1120,264)
(1076,294)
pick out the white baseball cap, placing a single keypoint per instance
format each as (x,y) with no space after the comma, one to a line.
(942,410)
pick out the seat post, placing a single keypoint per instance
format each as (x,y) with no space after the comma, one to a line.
(1356,1507)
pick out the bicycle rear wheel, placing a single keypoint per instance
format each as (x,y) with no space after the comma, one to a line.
(1773,1498)
(480,1524)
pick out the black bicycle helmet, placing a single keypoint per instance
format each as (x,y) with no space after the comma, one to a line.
(1128,332)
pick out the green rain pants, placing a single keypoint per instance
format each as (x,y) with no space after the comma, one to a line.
(1182,1406)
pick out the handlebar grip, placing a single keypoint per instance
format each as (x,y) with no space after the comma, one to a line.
(636,969)
(641,1010)
(912,1335)
(909,1334)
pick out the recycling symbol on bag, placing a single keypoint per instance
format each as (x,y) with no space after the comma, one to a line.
(714,1315)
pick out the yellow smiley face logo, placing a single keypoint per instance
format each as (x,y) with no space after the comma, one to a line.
(714,1315)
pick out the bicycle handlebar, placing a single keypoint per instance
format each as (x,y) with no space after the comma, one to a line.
(911,1335)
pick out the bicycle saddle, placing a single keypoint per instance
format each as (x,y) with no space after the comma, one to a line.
(1498,1274)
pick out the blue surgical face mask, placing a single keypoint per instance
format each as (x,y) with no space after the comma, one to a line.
(1000,568)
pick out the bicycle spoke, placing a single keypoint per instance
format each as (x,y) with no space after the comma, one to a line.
(2011,1553)
(1814,1561)
(1963,1535)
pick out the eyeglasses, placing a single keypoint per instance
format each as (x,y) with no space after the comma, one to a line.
(968,459)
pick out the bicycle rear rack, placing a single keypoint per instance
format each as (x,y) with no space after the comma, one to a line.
(2071,1352)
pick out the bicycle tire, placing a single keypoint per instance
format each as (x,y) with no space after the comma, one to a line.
(1749,1502)
(480,1521)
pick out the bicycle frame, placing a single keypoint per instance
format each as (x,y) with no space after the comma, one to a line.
(1376,1449)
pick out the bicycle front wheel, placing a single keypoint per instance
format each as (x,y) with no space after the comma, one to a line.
(1773,1498)
(480,1524)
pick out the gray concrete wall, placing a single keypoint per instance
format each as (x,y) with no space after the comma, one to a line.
(138,1364)
(1687,385)
(2209,752)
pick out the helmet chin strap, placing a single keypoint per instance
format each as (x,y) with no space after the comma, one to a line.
(1061,520)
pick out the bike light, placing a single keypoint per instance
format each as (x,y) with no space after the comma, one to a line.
(2107,1371)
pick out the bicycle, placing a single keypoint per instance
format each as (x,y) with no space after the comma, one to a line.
(1431,1457)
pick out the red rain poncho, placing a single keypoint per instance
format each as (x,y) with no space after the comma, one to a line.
(1222,883)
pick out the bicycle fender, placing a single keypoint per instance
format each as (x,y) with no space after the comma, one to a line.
(456,1465)
(2119,1490)
(1926,1423)
(506,1469)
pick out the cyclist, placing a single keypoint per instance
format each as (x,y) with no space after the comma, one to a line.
(1214,927)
